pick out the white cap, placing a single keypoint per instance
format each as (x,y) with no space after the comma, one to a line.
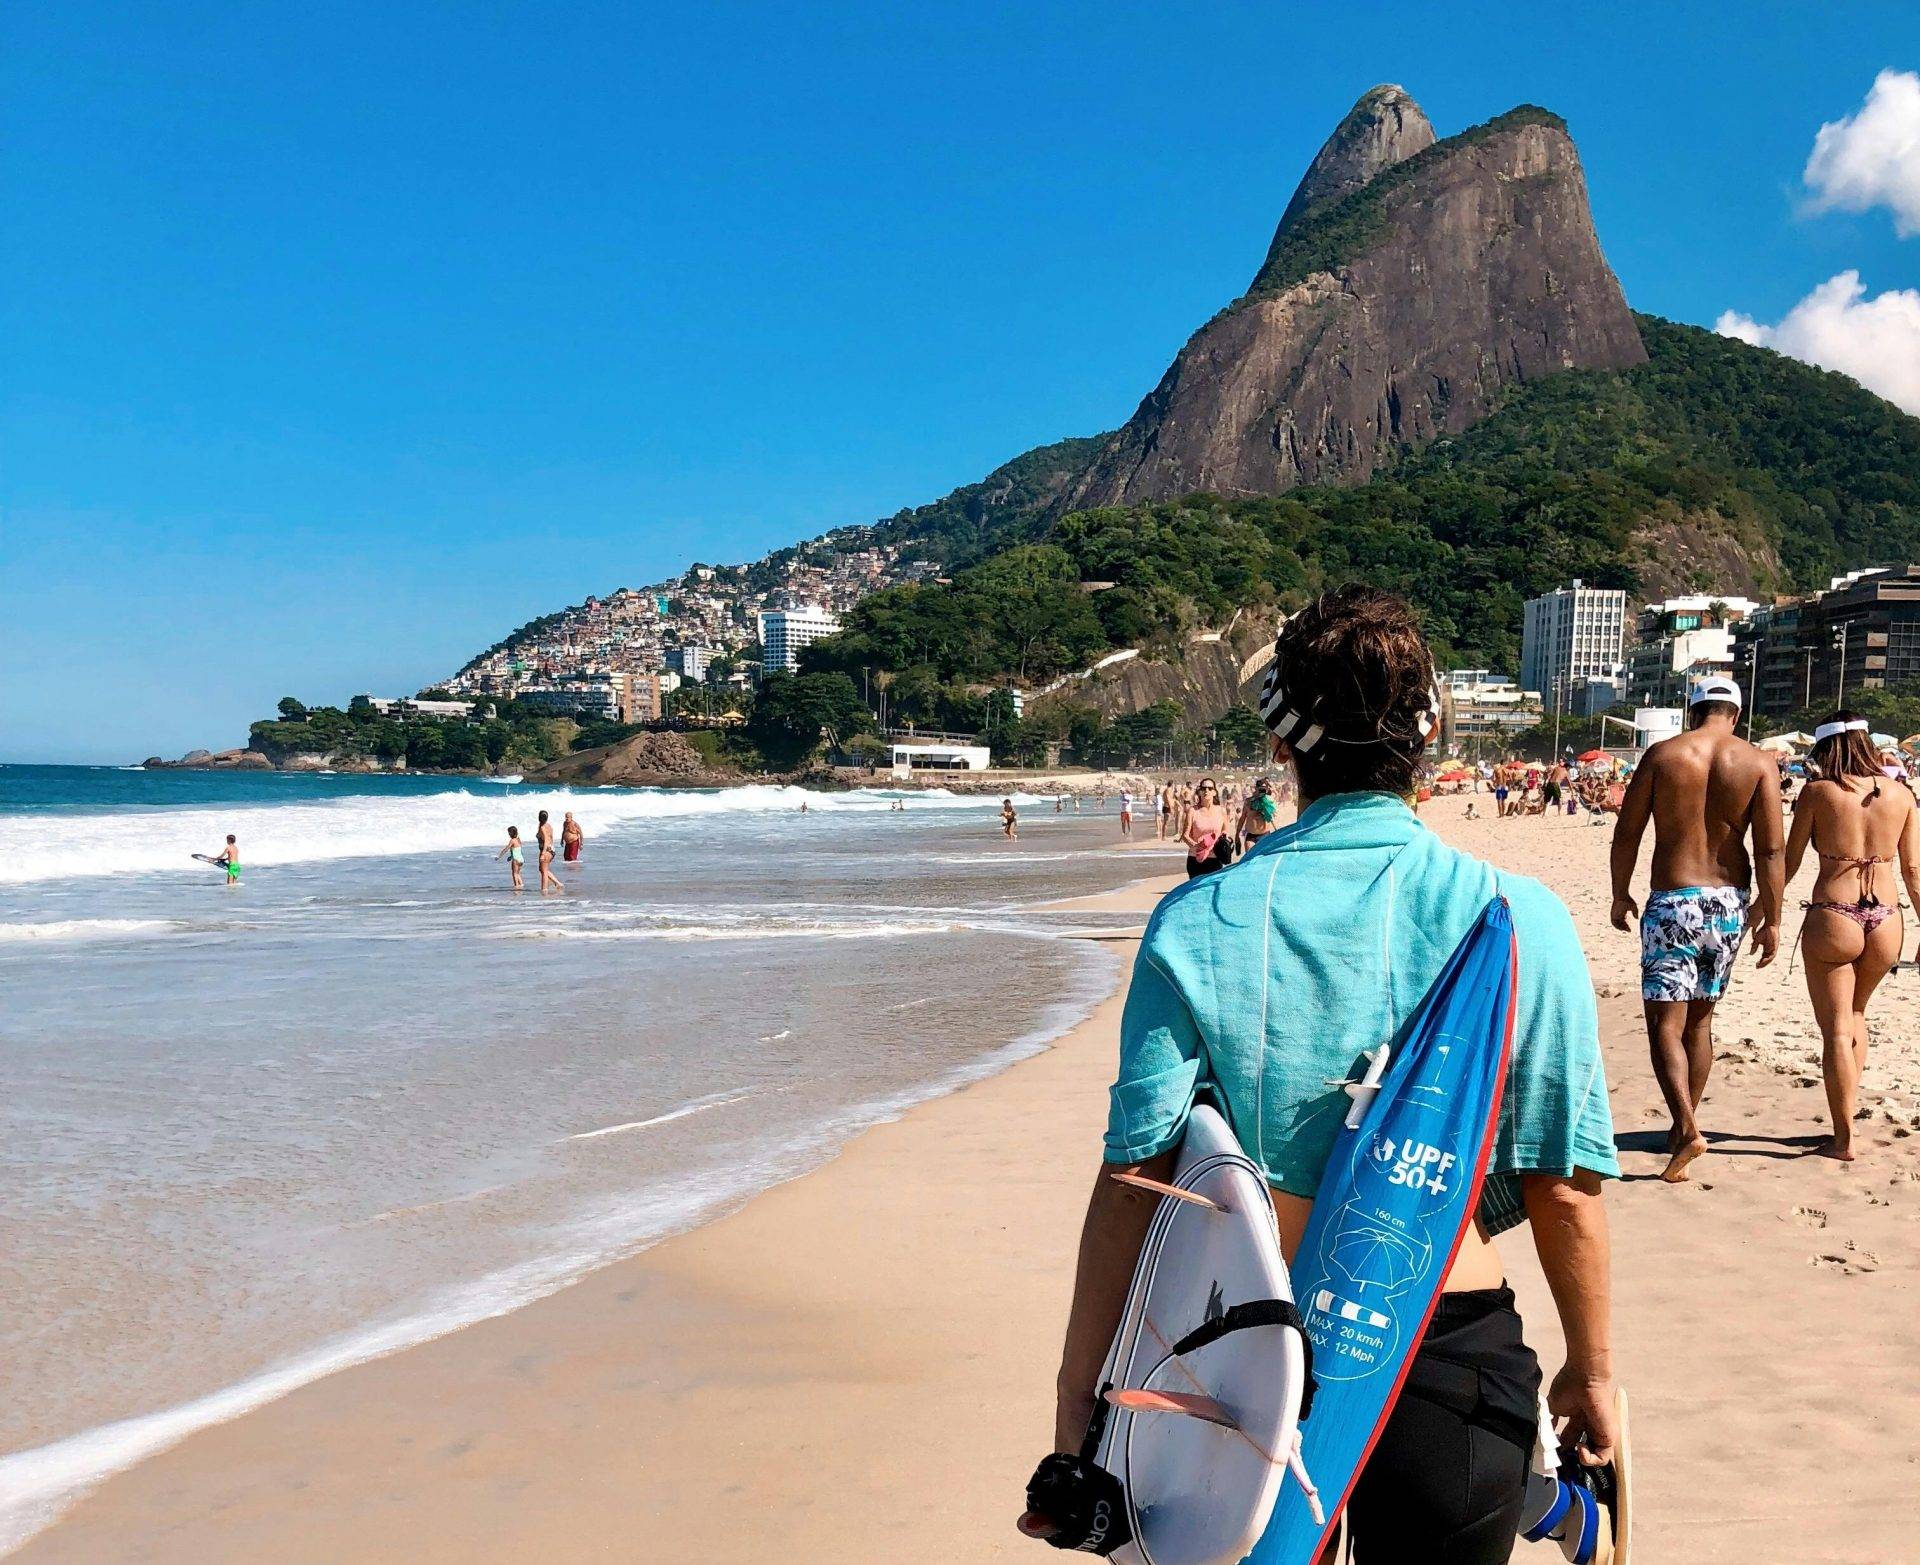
(1715,688)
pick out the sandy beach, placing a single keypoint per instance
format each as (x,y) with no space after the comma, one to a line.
(857,1366)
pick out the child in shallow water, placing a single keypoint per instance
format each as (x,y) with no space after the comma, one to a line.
(514,855)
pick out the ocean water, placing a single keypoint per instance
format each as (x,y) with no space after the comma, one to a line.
(252,1133)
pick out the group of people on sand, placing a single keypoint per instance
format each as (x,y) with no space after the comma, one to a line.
(1530,788)
(572,843)
(1707,794)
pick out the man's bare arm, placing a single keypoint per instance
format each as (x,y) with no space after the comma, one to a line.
(1769,851)
(1636,809)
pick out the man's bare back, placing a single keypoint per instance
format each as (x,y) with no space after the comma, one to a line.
(1706,790)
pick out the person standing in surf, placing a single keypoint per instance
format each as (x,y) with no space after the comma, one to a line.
(572,839)
(514,855)
(229,859)
(1705,791)
(1858,824)
(544,839)
(1267,982)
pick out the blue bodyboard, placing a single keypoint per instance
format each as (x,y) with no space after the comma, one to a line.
(1393,1206)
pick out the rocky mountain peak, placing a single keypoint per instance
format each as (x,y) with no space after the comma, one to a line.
(1410,284)
(1384,128)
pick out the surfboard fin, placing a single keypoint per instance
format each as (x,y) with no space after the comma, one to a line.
(1297,1465)
(1188,1404)
(1364,1090)
(1172,1192)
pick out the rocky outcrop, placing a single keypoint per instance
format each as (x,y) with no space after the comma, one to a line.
(1212,672)
(213,761)
(1384,317)
(648,760)
(1673,552)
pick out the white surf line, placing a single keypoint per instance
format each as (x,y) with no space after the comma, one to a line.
(697,1106)
(775,1037)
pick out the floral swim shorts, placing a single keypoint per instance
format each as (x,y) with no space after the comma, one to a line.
(1689,938)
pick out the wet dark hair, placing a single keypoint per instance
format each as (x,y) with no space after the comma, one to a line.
(1850,754)
(229,836)
(543,817)
(1354,663)
(513,831)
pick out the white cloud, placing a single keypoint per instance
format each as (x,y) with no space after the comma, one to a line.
(1872,158)
(1876,341)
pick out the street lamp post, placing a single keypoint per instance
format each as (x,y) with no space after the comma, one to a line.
(1840,689)
(1559,681)
(1753,683)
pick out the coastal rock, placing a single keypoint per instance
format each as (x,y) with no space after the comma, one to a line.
(212,761)
(650,760)
(1385,317)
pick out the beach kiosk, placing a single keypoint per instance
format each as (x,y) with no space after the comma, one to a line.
(911,758)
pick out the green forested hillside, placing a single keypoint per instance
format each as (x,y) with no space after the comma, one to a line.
(1002,508)
(1571,477)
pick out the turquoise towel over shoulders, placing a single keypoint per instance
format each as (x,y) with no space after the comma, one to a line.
(1270,978)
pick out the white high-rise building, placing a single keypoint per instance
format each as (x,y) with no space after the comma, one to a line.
(1572,636)
(783,632)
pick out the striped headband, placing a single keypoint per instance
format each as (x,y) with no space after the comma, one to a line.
(1286,721)
(1834,730)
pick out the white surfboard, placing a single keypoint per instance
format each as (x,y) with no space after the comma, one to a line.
(1200,1439)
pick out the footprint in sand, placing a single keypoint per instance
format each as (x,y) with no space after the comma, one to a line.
(1854,1263)
(1812,1215)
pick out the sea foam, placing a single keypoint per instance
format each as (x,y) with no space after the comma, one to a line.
(134,842)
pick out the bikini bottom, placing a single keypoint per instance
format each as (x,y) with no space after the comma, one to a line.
(1868,915)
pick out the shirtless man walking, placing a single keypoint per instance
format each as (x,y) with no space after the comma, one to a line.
(1704,790)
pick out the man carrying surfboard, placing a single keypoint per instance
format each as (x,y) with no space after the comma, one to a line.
(1705,791)
(1272,987)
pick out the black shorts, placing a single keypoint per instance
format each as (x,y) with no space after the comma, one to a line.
(1446,1482)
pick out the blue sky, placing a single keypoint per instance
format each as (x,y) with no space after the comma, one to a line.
(337,340)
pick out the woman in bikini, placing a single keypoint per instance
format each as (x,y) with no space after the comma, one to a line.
(1257,814)
(1857,822)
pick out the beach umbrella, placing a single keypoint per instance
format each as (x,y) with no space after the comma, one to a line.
(1791,741)
(1594,755)
(1882,741)
(1911,742)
